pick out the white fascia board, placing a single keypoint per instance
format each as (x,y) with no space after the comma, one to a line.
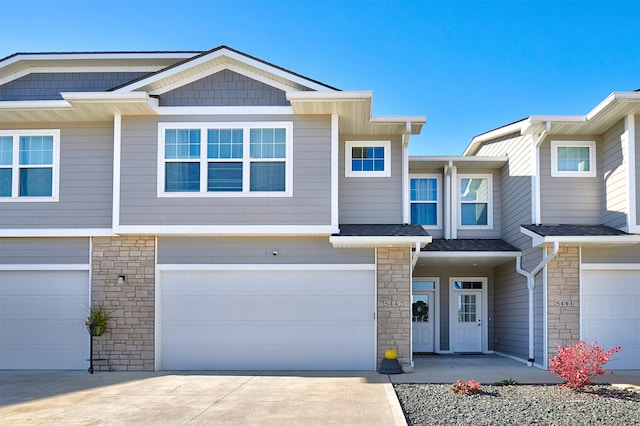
(62,232)
(399,119)
(308,96)
(611,99)
(518,126)
(351,241)
(46,267)
(539,240)
(225,110)
(223,230)
(26,105)
(464,254)
(106,97)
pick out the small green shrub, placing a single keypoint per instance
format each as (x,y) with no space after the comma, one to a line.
(507,382)
(466,388)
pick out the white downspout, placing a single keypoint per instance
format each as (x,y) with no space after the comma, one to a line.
(416,256)
(531,283)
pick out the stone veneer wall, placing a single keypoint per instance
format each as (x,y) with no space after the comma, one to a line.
(128,343)
(563,285)
(394,302)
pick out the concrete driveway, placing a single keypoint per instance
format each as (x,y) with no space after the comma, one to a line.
(165,398)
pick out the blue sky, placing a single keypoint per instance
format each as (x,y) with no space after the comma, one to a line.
(469,66)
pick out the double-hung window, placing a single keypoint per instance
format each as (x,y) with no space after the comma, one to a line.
(573,158)
(476,200)
(367,158)
(424,193)
(224,159)
(29,164)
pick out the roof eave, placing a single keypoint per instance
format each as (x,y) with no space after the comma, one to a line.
(346,241)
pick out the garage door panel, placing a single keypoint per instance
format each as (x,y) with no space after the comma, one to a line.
(274,307)
(253,282)
(42,319)
(610,314)
(267,320)
(271,358)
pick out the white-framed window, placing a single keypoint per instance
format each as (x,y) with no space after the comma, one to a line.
(475,200)
(573,158)
(425,199)
(225,159)
(367,158)
(29,165)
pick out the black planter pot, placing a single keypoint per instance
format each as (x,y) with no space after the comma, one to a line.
(96,330)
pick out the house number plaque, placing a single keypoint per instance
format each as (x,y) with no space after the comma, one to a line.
(393,304)
(564,303)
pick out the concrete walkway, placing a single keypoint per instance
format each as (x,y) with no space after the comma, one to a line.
(245,398)
(127,398)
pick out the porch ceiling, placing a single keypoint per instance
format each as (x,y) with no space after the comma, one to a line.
(464,259)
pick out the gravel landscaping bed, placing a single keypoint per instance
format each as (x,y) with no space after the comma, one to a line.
(428,404)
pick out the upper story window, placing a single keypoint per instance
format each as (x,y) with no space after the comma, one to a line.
(367,158)
(424,194)
(573,158)
(225,159)
(29,165)
(476,200)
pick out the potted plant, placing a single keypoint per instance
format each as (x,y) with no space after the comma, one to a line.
(97,320)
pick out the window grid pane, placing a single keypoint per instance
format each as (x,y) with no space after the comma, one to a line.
(466,308)
(182,144)
(573,159)
(224,143)
(474,214)
(474,189)
(367,159)
(424,214)
(267,176)
(6,150)
(267,143)
(5,182)
(36,150)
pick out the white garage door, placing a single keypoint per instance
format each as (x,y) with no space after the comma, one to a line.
(611,314)
(267,320)
(42,319)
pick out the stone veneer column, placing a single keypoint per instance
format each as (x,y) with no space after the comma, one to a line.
(128,343)
(563,290)
(394,302)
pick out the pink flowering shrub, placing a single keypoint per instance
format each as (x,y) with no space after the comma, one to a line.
(578,364)
(466,388)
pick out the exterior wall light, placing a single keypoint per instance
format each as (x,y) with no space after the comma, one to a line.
(121,279)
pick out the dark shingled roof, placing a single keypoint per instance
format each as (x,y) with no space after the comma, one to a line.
(382,231)
(474,244)
(573,230)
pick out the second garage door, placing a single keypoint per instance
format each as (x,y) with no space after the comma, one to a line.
(267,320)
(610,314)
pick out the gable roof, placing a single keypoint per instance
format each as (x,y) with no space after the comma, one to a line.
(214,60)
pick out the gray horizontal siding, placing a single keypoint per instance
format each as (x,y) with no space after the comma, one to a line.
(570,200)
(375,200)
(236,251)
(86,169)
(310,204)
(516,179)
(48,85)
(511,318)
(614,196)
(630,254)
(35,251)
(225,88)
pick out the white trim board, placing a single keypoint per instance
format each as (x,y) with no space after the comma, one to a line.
(46,267)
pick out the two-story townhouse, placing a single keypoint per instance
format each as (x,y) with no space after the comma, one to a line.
(233,215)
(570,205)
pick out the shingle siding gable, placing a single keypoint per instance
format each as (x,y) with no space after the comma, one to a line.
(225,88)
(48,85)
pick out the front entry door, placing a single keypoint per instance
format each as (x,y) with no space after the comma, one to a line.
(468,321)
(422,322)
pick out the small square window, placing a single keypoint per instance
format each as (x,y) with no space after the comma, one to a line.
(368,159)
(573,158)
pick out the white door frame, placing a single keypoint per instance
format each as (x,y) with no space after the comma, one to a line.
(453,316)
(435,311)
